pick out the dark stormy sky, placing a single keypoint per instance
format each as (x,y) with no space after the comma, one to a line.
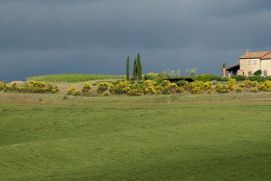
(95,36)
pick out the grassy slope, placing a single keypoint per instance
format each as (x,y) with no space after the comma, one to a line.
(73,77)
(145,138)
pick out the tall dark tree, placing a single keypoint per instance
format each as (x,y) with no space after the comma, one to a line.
(135,71)
(139,66)
(128,68)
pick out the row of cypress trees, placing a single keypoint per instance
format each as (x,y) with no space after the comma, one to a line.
(137,68)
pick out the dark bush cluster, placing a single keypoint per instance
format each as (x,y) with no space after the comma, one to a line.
(252,78)
(210,77)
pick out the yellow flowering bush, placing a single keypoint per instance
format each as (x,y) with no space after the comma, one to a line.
(165,83)
(265,86)
(120,87)
(71,91)
(222,88)
(232,83)
(76,91)
(86,87)
(171,88)
(208,86)
(2,85)
(104,86)
(198,87)
(248,84)
(254,89)
(151,87)
(85,90)
(31,87)
(135,90)
(238,89)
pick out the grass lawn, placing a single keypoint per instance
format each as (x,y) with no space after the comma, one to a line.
(205,137)
(71,78)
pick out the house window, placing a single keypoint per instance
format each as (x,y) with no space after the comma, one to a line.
(249,73)
(265,73)
(249,62)
(255,62)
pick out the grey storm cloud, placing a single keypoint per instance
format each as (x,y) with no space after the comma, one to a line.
(95,36)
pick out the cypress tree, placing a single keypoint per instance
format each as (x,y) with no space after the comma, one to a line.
(135,72)
(128,69)
(139,67)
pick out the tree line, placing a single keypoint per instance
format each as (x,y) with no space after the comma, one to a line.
(137,68)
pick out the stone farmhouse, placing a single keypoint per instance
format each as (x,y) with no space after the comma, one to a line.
(249,63)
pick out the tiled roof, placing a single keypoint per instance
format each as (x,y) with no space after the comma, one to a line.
(260,55)
(267,56)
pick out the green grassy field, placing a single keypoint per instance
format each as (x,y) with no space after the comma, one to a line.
(74,77)
(204,137)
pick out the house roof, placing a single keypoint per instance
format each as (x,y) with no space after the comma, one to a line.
(260,55)
(267,56)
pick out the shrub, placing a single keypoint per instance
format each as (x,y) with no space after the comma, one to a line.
(151,90)
(254,89)
(232,83)
(165,83)
(224,79)
(199,87)
(2,85)
(208,77)
(180,90)
(171,88)
(265,86)
(238,89)
(103,86)
(248,84)
(252,78)
(30,87)
(86,87)
(120,87)
(135,92)
(239,77)
(258,73)
(182,83)
(135,89)
(55,90)
(222,88)
(151,87)
(208,86)
(71,91)
(257,78)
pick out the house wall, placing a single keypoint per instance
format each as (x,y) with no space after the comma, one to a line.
(266,66)
(249,66)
